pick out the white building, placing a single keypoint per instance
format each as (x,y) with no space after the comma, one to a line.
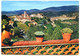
(37,15)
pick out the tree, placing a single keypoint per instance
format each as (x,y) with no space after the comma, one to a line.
(12,19)
(49,26)
(22,26)
(27,23)
(16,31)
(48,34)
(44,21)
(57,33)
(75,34)
(5,17)
(5,23)
(15,24)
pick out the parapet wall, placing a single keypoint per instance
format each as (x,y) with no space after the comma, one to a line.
(50,47)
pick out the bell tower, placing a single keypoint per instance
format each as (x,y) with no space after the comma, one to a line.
(25,14)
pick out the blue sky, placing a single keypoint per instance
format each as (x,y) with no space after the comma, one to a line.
(27,5)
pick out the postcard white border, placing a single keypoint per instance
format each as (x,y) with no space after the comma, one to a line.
(38,0)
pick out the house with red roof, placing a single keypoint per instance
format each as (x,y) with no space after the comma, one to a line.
(23,17)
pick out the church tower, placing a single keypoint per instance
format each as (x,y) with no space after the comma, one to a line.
(25,14)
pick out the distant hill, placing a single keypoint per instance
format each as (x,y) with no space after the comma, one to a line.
(50,9)
(62,8)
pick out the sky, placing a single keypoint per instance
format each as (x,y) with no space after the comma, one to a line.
(27,5)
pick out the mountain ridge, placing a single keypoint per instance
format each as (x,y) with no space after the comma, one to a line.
(49,9)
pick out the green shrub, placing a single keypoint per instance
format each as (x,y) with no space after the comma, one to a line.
(15,24)
(39,33)
(16,31)
(22,26)
(49,26)
(56,33)
(66,30)
(27,23)
(4,22)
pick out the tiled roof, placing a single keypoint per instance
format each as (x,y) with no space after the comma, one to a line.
(27,16)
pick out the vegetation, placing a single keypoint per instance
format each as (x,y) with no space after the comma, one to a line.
(44,20)
(54,14)
(22,26)
(67,30)
(5,23)
(39,33)
(56,33)
(32,30)
(74,27)
(49,26)
(6,41)
(16,31)
(27,23)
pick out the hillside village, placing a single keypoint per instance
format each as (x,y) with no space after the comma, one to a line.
(63,17)
(27,18)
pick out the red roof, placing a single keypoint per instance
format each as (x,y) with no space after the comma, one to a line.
(22,14)
(27,17)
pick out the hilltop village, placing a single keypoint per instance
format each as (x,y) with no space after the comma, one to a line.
(27,18)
